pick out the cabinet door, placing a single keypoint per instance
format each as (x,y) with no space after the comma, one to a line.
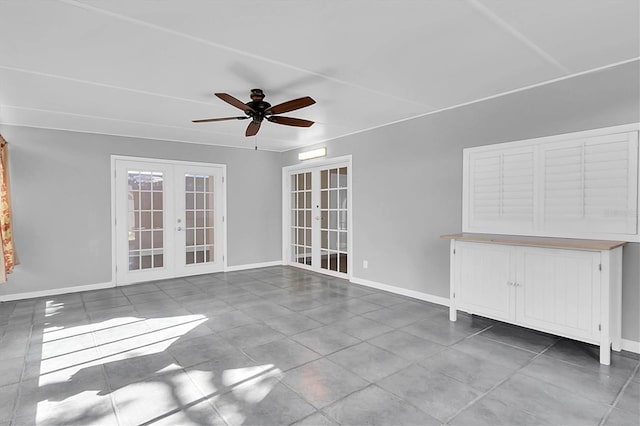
(558,291)
(483,274)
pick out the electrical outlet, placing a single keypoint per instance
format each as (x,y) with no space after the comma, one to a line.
(365,264)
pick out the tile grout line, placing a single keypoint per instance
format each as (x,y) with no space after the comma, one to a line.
(612,406)
(475,400)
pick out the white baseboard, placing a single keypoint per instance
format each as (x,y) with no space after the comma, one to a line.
(55,291)
(444,301)
(630,346)
(253,266)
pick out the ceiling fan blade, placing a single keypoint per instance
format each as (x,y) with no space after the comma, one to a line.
(290,105)
(252,128)
(288,121)
(205,120)
(235,102)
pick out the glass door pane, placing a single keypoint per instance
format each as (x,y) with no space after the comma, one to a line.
(145,219)
(301,218)
(333,219)
(199,219)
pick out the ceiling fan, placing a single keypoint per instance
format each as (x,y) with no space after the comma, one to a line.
(258,110)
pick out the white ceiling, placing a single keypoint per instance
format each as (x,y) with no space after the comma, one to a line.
(147,68)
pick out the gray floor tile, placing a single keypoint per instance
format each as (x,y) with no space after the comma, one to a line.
(195,351)
(276,405)
(431,391)
(394,317)
(368,361)
(588,356)
(101,294)
(316,419)
(199,414)
(82,398)
(11,370)
(630,398)
(439,329)
(154,399)
(266,310)
(374,406)
(359,306)
(622,418)
(362,328)
(383,299)
(123,372)
(519,337)
(325,340)
(148,297)
(292,324)
(139,288)
(229,320)
(582,381)
(283,354)
(102,304)
(328,314)
(494,412)
(219,375)
(8,395)
(322,382)
(497,352)
(550,403)
(407,345)
(479,373)
(251,335)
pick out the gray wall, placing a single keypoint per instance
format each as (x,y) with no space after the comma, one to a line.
(62,203)
(407,177)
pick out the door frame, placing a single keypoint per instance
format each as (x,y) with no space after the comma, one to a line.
(286,212)
(114,243)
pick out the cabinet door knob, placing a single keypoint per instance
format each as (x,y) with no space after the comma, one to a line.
(509,283)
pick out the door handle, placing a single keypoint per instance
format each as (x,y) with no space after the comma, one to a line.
(180,228)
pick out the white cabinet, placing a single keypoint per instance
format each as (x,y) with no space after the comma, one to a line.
(566,287)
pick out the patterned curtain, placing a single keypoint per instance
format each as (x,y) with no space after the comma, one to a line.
(6,228)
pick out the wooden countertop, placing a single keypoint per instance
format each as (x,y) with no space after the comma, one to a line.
(521,240)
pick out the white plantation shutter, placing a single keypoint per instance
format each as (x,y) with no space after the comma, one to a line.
(582,187)
(589,185)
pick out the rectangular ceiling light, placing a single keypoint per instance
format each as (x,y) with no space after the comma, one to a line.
(308,155)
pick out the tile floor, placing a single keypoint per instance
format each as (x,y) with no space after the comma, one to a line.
(279,346)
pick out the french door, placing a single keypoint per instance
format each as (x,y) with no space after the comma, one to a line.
(169,219)
(317,220)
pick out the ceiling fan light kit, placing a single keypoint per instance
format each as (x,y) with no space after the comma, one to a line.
(258,110)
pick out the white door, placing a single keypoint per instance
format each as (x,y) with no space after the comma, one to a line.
(169,219)
(317,222)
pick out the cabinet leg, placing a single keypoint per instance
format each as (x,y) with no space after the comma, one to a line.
(605,354)
(453,314)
